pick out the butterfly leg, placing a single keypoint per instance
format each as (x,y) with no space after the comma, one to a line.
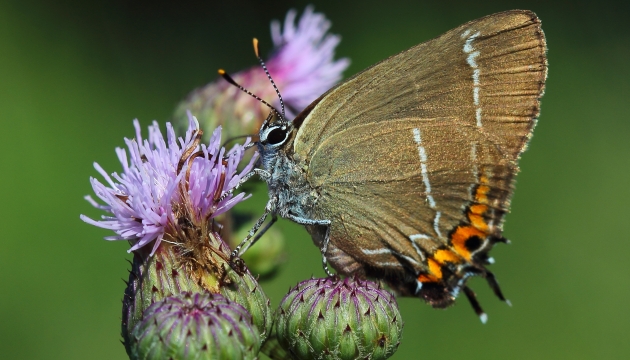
(324,249)
(246,243)
(324,246)
(260,233)
(262,173)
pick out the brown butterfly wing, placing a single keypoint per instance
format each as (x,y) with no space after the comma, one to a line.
(435,79)
(414,158)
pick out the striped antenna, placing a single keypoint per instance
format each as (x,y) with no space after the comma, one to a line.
(262,63)
(229,79)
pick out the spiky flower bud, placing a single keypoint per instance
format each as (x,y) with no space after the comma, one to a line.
(335,318)
(195,326)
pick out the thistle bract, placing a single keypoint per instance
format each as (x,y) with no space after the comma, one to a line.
(333,318)
(195,326)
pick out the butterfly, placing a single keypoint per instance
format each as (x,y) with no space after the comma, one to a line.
(404,172)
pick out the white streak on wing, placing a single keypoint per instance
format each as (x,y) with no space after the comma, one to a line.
(436,224)
(416,136)
(376,251)
(468,44)
(471,57)
(418,286)
(415,237)
(476,73)
(423,166)
(388,264)
(423,154)
(388,251)
(472,62)
(476,95)
(425,179)
(478,116)
(473,157)
(410,259)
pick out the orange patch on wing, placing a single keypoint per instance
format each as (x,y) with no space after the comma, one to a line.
(427,278)
(478,209)
(435,268)
(459,237)
(481,195)
(478,226)
(478,222)
(443,256)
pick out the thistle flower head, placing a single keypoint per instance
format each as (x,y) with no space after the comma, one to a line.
(337,318)
(168,186)
(303,62)
(302,65)
(195,326)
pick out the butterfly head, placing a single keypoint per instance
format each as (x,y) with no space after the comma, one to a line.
(275,133)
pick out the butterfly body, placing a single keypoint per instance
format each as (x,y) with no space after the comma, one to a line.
(405,171)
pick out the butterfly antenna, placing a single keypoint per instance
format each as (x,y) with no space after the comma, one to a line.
(229,79)
(262,63)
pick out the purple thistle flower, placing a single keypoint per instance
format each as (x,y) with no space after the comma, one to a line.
(302,65)
(303,62)
(165,180)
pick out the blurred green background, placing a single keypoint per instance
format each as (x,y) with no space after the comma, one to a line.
(73,74)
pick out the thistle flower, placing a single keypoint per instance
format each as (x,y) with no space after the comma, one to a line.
(165,183)
(195,326)
(302,65)
(164,203)
(339,319)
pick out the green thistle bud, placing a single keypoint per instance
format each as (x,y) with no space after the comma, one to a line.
(191,267)
(152,279)
(195,326)
(339,319)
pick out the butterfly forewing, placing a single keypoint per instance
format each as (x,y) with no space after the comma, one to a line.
(414,158)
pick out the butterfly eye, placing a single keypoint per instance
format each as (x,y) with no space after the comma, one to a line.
(276,136)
